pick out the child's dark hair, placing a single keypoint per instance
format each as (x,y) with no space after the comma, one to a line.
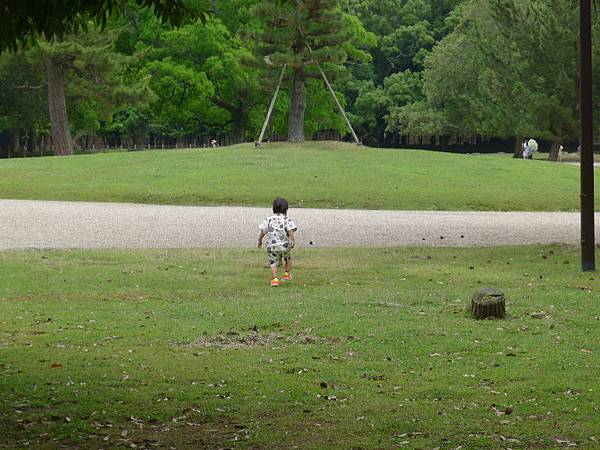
(280,206)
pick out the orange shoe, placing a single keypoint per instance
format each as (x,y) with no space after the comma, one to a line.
(286,277)
(275,282)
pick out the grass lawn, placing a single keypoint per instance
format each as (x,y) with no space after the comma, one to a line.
(366,348)
(323,175)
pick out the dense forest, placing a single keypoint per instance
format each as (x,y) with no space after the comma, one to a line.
(408,72)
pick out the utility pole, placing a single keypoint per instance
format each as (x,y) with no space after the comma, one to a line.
(588,257)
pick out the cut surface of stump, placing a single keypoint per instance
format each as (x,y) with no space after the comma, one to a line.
(488,303)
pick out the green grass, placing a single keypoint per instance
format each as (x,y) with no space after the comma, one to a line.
(324,175)
(367,348)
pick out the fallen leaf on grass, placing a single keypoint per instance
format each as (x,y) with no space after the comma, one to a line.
(542,417)
(502,411)
(540,315)
(566,442)
(571,392)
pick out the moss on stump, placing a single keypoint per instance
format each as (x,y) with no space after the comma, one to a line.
(488,303)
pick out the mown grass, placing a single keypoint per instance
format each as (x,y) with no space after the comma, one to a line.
(366,348)
(316,174)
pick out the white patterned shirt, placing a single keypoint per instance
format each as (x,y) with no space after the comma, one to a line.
(276,228)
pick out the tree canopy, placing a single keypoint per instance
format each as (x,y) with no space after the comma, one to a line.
(430,68)
(22,20)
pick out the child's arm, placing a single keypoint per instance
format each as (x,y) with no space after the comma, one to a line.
(291,238)
(261,235)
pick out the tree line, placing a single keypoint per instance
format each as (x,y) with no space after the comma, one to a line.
(443,68)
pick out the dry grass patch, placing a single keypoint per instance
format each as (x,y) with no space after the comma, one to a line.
(235,340)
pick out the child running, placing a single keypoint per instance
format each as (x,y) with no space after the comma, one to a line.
(279,230)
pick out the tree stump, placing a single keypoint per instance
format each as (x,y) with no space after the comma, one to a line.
(488,302)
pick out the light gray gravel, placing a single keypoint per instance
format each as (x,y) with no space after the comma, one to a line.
(47,224)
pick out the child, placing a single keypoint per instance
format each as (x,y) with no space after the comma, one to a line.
(279,230)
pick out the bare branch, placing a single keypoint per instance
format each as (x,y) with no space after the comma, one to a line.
(26,86)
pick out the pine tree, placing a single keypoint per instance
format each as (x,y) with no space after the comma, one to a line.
(298,34)
(81,68)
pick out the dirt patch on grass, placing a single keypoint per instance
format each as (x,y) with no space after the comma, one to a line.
(222,433)
(232,339)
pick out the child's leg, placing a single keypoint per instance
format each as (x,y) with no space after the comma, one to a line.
(273,263)
(287,276)
(288,265)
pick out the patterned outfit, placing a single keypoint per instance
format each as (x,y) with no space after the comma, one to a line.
(276,229)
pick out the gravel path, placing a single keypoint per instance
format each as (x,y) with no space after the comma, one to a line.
(45,224)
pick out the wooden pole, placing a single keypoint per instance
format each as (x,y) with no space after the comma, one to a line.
(336,100)
(270,111)
(588,257)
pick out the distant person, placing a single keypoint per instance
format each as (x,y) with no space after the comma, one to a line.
(532,145)
(524,149)
(560,153)
(213,143)
(280,232)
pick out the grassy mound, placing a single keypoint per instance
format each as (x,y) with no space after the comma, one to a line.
(324,175)
(192,349)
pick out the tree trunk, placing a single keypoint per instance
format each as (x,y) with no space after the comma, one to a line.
(488,302)
(518,150)
(553,155)
(444,142)
(240,124)
(33,140)
(57,107)
(296,118)
(15,143)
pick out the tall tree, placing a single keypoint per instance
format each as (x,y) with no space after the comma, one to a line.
(85,67)
(508,69)
(298,34)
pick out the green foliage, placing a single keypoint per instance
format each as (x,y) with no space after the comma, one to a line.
(127,122)
(506,70)
(406,30)
(24,20)
(407,46)
(418,118)
(23,93)
(289,29)
(181,93)
(406,33)
(322,113)
(374,102)
(211,50)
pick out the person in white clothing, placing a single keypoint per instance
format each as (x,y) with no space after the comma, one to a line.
(532,146)
(280,231)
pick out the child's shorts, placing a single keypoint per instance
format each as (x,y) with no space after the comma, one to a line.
(275,258)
